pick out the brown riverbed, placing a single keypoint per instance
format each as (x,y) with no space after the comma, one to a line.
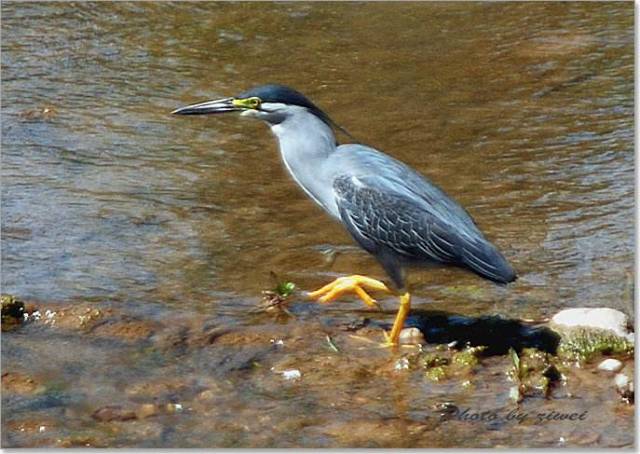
(151,237)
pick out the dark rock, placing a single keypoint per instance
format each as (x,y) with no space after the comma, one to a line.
(113,413)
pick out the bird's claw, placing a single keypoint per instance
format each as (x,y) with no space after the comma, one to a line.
(350,284)
(388,341)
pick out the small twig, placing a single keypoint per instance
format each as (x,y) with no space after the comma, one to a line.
(332,345)
(363,339)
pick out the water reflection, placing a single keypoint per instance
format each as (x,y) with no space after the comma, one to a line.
(523,112)
(525,118)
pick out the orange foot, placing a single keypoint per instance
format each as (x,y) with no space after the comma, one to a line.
(350,284)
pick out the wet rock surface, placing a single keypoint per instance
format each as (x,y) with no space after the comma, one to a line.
(125,329)
(20,383)
(462,381)
(113,413)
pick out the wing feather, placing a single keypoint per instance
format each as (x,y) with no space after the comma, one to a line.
(383,216)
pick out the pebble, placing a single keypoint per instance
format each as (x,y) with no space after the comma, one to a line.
(621,380)
(515,394)
(412,336)
(174,408)
(291,374)
(401,364)
(601,317)
(611,365)
(625,387)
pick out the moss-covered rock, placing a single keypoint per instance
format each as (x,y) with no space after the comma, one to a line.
(467,358)
(436,373)
(434,359)
(583,344)
(441,364)
(12,312)
(600,318)
(534,372)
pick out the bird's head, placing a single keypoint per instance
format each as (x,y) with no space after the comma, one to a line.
(270,103)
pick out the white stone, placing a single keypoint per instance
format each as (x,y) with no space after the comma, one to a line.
(411,336)
(621,380)
(601,317)
(291,374)
(611,365)
(625,387)
(402,364)
(514,394)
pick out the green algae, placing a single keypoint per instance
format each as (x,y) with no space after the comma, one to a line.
(467,358)
(434,359)
(12,312)
(441,364)
(533,371)
(583,344)
(437,373)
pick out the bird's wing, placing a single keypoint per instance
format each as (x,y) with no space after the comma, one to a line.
(379,217)
(384,213)
(393,176)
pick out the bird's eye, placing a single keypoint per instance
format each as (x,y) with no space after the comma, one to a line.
(254,103)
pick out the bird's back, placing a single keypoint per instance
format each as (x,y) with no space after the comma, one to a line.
(390,208)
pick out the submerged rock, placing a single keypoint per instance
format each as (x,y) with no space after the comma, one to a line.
(445,363)
(16,382)
(113,413)
(157,389)
(147,410)
(44,113)
(534,373)
(126,329)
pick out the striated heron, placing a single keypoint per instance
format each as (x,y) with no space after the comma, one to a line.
(391,211)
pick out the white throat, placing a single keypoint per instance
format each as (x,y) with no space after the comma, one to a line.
(306,142)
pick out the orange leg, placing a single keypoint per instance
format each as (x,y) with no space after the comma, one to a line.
(392,338)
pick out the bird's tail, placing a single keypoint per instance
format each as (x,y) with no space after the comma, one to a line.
(485,260)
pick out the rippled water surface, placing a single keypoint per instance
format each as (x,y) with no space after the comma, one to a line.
(522,112)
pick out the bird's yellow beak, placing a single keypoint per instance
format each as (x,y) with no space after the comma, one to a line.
(220,106)
(247,103)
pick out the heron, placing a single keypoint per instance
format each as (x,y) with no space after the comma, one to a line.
(392,211)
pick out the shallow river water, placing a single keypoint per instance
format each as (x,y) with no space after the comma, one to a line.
(522,112)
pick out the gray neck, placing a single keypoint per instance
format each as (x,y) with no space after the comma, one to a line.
(306,142)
